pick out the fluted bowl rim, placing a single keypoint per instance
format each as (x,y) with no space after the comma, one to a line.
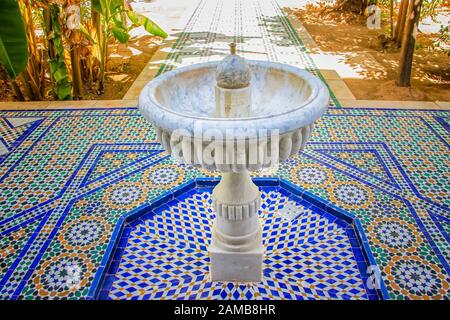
(303,114)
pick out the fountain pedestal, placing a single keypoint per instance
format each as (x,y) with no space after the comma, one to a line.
(236,250)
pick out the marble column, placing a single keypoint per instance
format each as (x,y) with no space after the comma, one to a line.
(236,250)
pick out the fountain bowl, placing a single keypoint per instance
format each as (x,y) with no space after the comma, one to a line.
(286,101)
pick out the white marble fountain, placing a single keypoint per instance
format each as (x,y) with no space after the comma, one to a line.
(234,116)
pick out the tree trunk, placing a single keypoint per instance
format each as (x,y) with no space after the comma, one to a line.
(357,6)
(96,34)
(33,79)
(95,22)
(77,80)
(103,61)
(26,85)
(364,4)
(12,83)
(103,49)
(16,90)
(33,74)
(399,27)
(47,17)
(391,18)
(75,42)
(408,44)
(51,51)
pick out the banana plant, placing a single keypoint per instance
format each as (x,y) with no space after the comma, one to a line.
(58,67)
(13,43)
(34,74)
(114,16)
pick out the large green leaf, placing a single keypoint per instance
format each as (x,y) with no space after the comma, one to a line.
(13,40)
(59,72)
(120,34)
(87,34)
(115,5)
(58,68)
(148,24)
(119,23)
(97,5)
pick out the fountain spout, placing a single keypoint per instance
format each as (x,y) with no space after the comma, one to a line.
(233,90)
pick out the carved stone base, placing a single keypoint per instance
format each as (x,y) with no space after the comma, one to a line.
(236,250)
(231,266)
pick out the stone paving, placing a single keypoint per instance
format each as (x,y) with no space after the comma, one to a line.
(71,179)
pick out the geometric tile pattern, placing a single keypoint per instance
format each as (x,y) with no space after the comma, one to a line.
(366,160)
(110,161)
(13,130)
(309,253)
(406,222)
(405,219)
(402,199)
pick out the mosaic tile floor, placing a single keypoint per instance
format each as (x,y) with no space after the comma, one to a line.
(69,178)
(309,253)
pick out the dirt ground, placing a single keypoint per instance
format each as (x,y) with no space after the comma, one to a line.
(347,33)
(124,66)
